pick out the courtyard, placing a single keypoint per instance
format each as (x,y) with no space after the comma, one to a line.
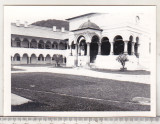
(50,88)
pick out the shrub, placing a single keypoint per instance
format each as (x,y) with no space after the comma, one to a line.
(58,58)
(122,58)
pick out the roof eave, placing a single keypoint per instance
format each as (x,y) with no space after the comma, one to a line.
(86,28)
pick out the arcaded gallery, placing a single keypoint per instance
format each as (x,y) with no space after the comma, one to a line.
(93,39)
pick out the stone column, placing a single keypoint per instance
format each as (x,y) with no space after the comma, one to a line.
(29,60)
(20,60)
(88,54)
(58,46)
(44,60)
(37,44)
(88,49)
(138,49)
(44,45)
(29,43)
(36,60)
(79,50)
(99,48)
(132,48)
(11,58)
(71,50)
(112,48)
(20,43)
(76,55)
(51,60)
(125,47)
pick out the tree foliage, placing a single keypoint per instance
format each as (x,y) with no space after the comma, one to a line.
(52,22)
(122,58)
(58,59)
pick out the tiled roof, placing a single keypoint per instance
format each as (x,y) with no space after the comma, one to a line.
(89,24)
(37,31)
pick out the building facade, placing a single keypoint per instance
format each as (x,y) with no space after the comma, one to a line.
(32,44)
(93,39)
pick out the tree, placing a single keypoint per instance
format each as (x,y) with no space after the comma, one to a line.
(58,58)
(122,58)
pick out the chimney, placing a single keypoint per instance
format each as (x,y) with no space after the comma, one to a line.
(62,29)
(17,23)
(25,24)
(54,28)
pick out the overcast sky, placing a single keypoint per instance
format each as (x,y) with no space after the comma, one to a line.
(37,13)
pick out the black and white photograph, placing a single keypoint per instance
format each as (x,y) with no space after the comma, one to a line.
(85,60)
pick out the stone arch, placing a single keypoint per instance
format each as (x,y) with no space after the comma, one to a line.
(16,42)
(94,48)
(61,46)
(25,43)
(48,59)
(129,48)
(48,45)
(118,45)
(33,43)
(17,58)
(105,46)
(25,59)
(41,59)
(55,45)
(41,44)
(83,47)
(79,38)
(33,59)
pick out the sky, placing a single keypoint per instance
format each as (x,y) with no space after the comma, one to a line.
(36,13)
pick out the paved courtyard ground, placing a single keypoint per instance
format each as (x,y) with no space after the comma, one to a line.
(68,89)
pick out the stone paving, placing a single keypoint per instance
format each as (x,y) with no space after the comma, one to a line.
(86,72)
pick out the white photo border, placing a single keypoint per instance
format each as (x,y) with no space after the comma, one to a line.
(7,84)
